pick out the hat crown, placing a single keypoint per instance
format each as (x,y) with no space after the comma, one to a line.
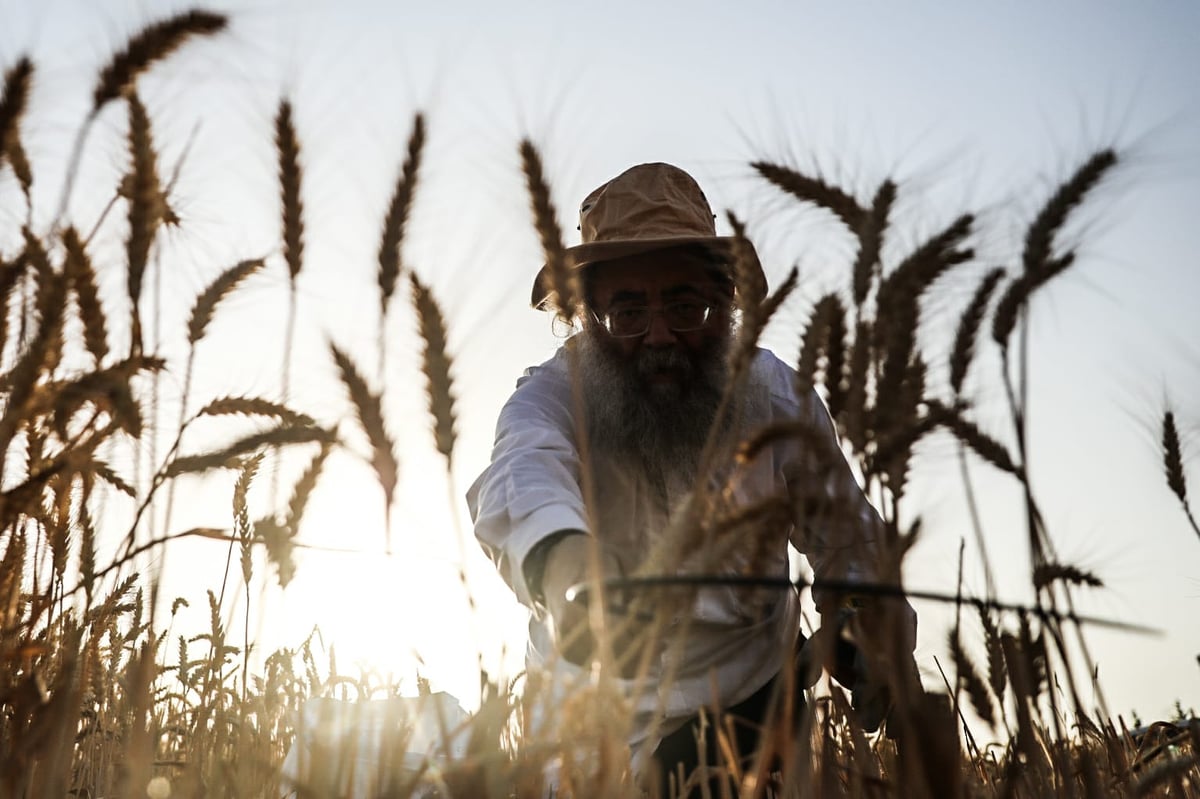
(648,201)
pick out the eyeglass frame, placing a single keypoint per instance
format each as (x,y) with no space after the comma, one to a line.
(656,310)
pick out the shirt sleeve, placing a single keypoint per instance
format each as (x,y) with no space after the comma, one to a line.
(531,489)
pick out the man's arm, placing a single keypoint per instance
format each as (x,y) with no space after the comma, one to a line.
(531,490)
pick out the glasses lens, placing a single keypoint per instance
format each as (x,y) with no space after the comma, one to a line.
(684,316)
(628,321)
(635,320)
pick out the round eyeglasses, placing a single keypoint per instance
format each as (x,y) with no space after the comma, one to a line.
(628,321)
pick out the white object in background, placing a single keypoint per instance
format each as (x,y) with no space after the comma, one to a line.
(356,749)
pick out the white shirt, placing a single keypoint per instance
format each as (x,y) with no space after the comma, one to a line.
(738,638)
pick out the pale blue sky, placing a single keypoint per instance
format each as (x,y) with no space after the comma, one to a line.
(964,103)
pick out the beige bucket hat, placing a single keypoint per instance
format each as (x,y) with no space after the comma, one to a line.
(648,207)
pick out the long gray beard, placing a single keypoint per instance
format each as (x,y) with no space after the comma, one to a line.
(660,429)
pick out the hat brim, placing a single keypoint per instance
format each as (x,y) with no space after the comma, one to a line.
(583,255)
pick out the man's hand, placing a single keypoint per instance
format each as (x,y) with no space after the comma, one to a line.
(867,649)
(567,564)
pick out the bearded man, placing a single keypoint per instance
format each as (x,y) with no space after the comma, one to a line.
(600,448)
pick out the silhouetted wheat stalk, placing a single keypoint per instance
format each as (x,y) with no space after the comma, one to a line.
(391,259)
(368,407)
(1173,466)
(144,49)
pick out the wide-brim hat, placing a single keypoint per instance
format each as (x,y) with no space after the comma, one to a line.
(649,207)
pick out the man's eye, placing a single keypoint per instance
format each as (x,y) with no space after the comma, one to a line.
(687,312)
(625,315)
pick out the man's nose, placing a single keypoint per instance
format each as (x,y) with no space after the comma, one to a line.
(660,333)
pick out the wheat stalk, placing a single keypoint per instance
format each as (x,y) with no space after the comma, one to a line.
(14,99)
(1039,238)
(369,409)
(963,352)
(11,273)
(436,363)
(1046,573)
(144,208)
(816,340)
(254,406)
(226,456)
(304,488)
(40,354)
(82,278)
(812,190)
(969,677)
(222,286)
(287,145)
(870,233)
(563,281)
(148,46)
(1173,465)
(390,256)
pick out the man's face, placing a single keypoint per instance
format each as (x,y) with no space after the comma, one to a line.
(652,398)
(670,284)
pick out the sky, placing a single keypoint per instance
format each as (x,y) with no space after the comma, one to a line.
(976,106)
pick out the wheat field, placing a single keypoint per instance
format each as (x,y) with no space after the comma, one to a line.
(110,433)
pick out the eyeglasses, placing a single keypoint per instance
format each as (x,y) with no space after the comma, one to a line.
(628,321)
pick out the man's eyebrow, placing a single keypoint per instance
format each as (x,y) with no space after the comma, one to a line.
(627,296)
(684,289)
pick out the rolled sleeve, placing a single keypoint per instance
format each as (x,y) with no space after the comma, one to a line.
(531,490)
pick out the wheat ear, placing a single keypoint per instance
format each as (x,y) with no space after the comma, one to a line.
(969,677)
(436,364)
(1039,238)
(206,302)
(870,233)
(963,352)
(148,46)
(287,145)
(390,256)
(563,282)
(1173,464)
(144,209)
(369,408)
(812,190)
(14,99)
(82,279)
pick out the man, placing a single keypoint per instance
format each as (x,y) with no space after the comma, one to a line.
(617,456)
